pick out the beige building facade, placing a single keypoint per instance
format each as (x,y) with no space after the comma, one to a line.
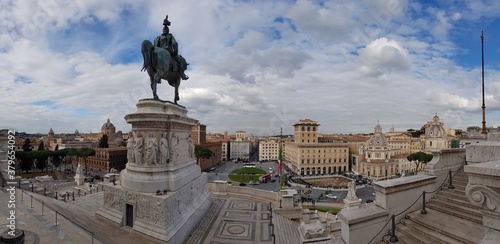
(309,154)
(269,149)
(403,144)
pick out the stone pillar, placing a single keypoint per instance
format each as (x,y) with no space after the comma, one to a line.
(483,190)
(162,152)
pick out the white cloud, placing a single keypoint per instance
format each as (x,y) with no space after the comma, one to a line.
(253,66)
(382,57)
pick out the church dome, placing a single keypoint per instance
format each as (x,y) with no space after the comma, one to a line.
(51,132)
(108,128)
(435,129)
(378,139)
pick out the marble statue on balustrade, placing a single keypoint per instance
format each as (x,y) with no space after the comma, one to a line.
(79,170)
(351,201)
(351,193)
(79,177)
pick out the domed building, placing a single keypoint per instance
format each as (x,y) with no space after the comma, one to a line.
(108,128)
(436,137)
(376,158)
(115,138)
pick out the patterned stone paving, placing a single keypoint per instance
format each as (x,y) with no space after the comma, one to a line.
(232,221)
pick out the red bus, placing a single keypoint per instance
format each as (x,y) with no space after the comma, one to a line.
(265,178)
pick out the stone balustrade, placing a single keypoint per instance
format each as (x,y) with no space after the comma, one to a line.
(395,196)
(483,190)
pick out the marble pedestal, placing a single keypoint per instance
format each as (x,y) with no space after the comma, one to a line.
(162,192)
(168,217)
(79,179)
(352,203)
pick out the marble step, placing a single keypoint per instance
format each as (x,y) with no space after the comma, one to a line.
(423,234)
(457,201)
(453,193)
(472,217)
(453,227)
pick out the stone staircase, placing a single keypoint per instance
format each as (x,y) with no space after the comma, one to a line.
(450,218)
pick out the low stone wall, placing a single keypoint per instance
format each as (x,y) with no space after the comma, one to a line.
(483,152)
(444,161)
(395,195)
(64,184)
(244,192)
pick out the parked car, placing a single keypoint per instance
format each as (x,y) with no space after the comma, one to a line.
(331,196)
(253,183)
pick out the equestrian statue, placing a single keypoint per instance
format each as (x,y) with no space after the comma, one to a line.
(162,61)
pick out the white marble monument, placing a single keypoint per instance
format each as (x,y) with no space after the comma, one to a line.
(161,192)
(79,177)
(351,201)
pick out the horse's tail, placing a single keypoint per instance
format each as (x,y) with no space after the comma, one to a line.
(146,50)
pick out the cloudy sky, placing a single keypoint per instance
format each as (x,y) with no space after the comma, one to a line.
(254,65)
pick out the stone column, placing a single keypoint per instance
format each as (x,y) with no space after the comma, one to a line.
(483,190)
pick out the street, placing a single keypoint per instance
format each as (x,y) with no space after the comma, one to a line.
(221,173)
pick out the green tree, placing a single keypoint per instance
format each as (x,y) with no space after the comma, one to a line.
(420,157)
(202,152)
(416,133)
(41,146)
(41,157)
(27,145)
(103,142)
(25,160)
(56,157)
(67,154)
(84,153)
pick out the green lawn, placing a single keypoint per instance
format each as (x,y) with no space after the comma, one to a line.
(324,209)
(246,174)
(300,181)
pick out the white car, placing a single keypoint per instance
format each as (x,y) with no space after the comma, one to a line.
(331,196)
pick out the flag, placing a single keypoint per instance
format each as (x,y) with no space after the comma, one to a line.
(279,160)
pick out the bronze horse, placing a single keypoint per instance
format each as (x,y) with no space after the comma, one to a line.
(160,65)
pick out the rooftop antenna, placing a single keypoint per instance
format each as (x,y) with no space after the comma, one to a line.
(482,62)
